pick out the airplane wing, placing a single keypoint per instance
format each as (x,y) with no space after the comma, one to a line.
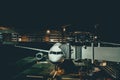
(35,49)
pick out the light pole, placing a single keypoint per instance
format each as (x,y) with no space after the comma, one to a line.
(47,38)
(63,31)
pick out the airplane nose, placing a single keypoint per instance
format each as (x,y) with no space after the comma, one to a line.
(55,58)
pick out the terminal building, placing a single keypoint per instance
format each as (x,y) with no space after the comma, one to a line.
(43,36)
(55,36)
(8,36)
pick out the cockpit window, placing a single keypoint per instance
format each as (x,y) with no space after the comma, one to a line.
(56,52)
(59,52)
(52,52)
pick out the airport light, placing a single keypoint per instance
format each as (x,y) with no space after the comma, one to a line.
(64,29)
(48,31)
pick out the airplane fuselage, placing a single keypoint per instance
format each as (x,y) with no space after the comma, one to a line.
(56,54)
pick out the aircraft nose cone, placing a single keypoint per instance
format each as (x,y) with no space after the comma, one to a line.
(55,58)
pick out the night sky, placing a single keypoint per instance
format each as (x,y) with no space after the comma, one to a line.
(36,15)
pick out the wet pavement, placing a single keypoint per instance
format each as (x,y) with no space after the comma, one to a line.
(20,64)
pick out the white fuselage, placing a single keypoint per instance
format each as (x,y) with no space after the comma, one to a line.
(56,54)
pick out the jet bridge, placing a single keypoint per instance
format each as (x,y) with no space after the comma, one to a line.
(106,53)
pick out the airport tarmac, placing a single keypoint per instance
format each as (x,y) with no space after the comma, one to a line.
(20,64)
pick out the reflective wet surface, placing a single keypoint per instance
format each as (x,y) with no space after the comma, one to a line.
(20,64)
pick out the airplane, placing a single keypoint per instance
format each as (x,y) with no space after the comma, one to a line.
(55,55)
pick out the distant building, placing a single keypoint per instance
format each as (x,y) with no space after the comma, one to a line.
(30,38)
(82,36)
(43,36)
(53,36)
(8,36)
(56,36)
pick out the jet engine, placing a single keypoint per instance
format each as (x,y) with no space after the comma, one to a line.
(39,56)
